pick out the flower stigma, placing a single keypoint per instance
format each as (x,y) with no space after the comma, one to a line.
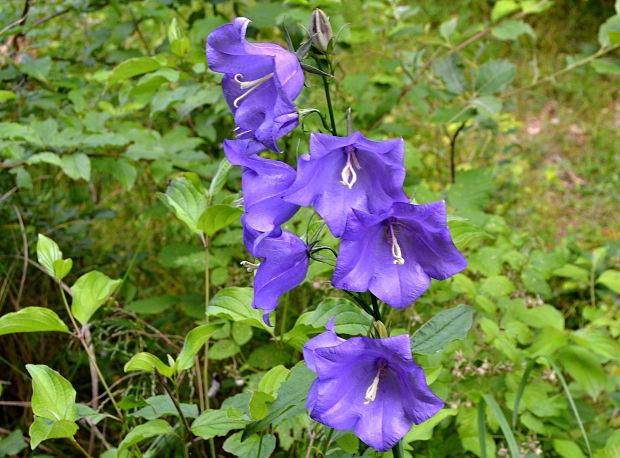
(396,251)
(371,391)
(251,86)
(250,266)
(348,175)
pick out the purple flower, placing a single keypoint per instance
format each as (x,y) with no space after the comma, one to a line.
(395,254)
(369,385)
(263,182)
(284,266)
(260,82)
(345,173)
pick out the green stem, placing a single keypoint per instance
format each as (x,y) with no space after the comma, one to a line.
(375,307)
(80,448)
(329,105)
(397,451)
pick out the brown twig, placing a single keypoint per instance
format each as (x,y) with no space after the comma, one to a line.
(21,20)
(453,151)
(136,24)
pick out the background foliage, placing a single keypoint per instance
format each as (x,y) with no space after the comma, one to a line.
(510,111)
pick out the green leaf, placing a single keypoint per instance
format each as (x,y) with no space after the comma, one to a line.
(611,279)
(153,305)
(76,166)
(219,180)
(4,96)
(50,257)
(567,448)
(90,291)
(212,423)
(179,43)
(585,368)
(448,70)
(223,349)
(573,272)
(497,286)
(442,329)
(254,446)
(447,28)
(31,319)
(133,67)
(450,115)
(493,75)
(487,106)
(267,356)
(42,429)
(271,381)
(424,431)
(53,397)
(291,400)
(194,341)
(12,444)
(241,333)
(609,32)
(543,316)
(84,411)
(144,361)
(186,201)
(512,29)
(235,304)
(161,405)
(218,217)
(503,8)
(349,318)
(258,405)
(535,282)
(503,424)
(152,428)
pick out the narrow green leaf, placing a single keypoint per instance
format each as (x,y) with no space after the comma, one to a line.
(7,95)
(194,341)
(442,329)
(503,424)
(90,292)
(133,67)
(48,252)
(219,180)
(152,428)
(218,217)
(32,319)
(482,429)
(144,361)
(522,385)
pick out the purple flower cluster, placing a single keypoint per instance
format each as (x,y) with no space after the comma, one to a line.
(389,247)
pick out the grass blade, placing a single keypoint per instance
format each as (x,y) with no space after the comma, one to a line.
(503,423)
(482,429)
(522,385)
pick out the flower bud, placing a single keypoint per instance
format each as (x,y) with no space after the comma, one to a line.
(320,29)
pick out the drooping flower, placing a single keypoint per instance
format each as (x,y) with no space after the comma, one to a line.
(263,183)
(345,173)
(369,385)
(284,265)
(395,254)
(260,83)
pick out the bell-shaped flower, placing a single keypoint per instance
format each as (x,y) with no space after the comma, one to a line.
(395,254)
(263,182)
(260,83)
(369,385)
(344,173)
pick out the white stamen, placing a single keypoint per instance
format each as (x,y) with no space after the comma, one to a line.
(348,175)
(396,251)
(239,134)
(371,392)
(249,266)
(250,85)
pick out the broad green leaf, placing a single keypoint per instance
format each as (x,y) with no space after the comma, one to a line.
(223,349)
(442,329)
(218,217)
(152,428)
(447,28)
(567,448)
(46,157)
(267,356)
(271,381)
(259,405)
(549,341)
(212,423)
(497,286)
(179,43)
(186,201)
(493,75)
(7,95)
(424,431)
(512,29)
(43,428)
(241,333)
(291,400)
(144,361)
(153,305)
(84,411)
(350,319)
(50,257)
(219,180)
(76,166)
(573,272)
(450,115)
(535,282)
(194,341)
(611,279)
(12,444)
(542,316)
(585,368)
(53,397)
(618,7)
(161,405)
(609,32)
(254,446)
(487,106)
(448,70)
(133,67)
(90,291)
(503,8)
(235,304)
(31,319)
(599,341)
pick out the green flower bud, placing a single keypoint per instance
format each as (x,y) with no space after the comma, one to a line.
(320,29)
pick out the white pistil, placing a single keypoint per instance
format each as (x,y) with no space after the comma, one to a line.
(371,392)
(251,86)
(348,175)
(250,266)
(396,251)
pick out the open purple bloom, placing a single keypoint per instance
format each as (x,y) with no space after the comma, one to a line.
(369,385)
(263,182)
(343,173)
(284,266)
(395,254)
(260,82)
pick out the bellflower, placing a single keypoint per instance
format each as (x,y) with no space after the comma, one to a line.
(395,254)
(263,182)
(284,266)
(260,83)
(345,173)
(369,385)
